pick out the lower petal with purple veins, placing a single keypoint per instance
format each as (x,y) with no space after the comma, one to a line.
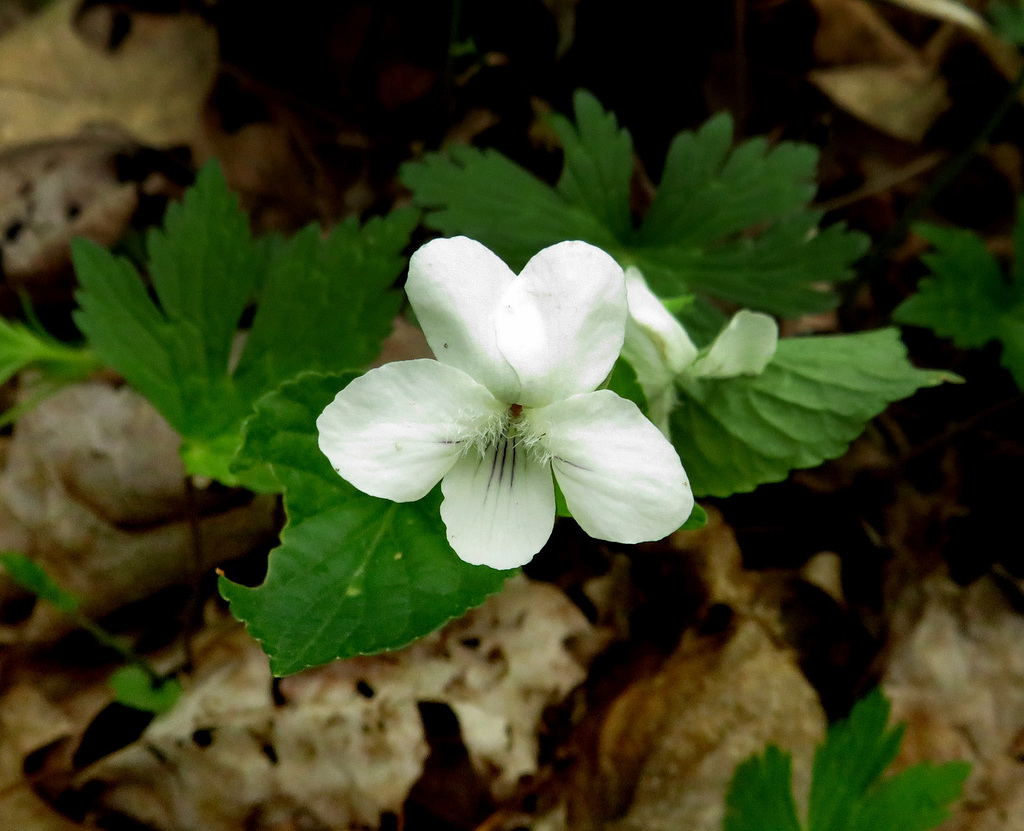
(499,505)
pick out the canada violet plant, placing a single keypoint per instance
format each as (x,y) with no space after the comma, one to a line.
(561,377)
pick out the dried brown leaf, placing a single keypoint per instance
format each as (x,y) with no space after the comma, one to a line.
(957,678)
(93,490)
(52,82)
(348,743)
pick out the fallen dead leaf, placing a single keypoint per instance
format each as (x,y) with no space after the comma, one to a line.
(874,74)
(52,191)
(956,677)
(668,745)
(722,702)
(101,506)
(950,10)
(28,722)
(852,32)
(903,101)
(345,743)
(53,83)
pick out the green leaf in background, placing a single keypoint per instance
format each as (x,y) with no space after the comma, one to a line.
(324,304)
(811,401)
(968,298)
(134,687)
(353,574)
(1007,18)
(697,519)
(33,577)
(623,383)
(848,792)
(22,347)
(760,796)
(854,756)
(697,235)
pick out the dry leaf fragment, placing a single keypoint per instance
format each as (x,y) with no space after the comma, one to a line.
(667,747)
(52,82)
(101,506)
(852,32)
(670,744)
(949,10)
(347,743)
(957,678)
(52,191)
(28,722)
(903,101)
(874,74)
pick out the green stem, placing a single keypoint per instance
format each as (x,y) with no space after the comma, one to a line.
(127,654)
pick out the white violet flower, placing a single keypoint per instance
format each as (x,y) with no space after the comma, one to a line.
(511,400)
(661,353)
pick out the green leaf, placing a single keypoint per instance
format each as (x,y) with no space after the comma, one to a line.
(134,687)
(760,796)
(33,577)
(731,222)
(21,348)
(324,303)
(814,398)
(854,756)
(598,164)
(697,519)
(847,793)
(847,789)
(1007,18)
(710,191)
(917,799)
(327,304)
(623,383)
(353,574)
(484,195)
(968,298)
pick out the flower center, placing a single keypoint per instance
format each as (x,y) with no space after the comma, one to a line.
(511,426)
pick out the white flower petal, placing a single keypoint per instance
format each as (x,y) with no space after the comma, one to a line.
(665,336)
(744,347)
(454,286)
(621,478)
(395,431)
(499,507)
(561,323)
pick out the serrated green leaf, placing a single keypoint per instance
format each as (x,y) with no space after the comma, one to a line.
(710,191)
(33,577)
(21,348)
(345,280)
(760,796)
(353,574)
(598,164)
(968,294)
(730,222)
(847,789)
(485,196)
(811,401)
(855,754)
(324,303)
(782,271)
(134,687)
(968,298)
(916,799)
(204,268)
